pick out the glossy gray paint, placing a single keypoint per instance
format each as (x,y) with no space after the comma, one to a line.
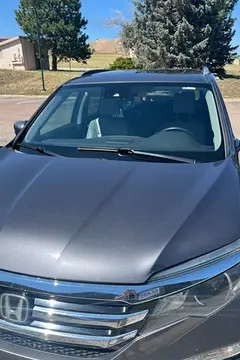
(56,215)
(19,125)
(167,76)
(112,221)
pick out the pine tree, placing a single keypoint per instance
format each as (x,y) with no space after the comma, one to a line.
(212,20)
(183,33)
(154,22)
(194,31)
(61,25)
(127,35)
(163,36)
(220,49)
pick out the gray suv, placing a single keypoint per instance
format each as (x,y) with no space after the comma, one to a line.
(120,222)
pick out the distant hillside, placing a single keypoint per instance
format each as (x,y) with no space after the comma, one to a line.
(108,46)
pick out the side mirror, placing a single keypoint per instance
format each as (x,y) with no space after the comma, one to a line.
(19,125)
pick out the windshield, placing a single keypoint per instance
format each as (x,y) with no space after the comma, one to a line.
(177,119)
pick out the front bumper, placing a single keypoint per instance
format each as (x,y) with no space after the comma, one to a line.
(94,321)
(193,338)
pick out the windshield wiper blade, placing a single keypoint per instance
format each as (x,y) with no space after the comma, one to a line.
(39,149)
(135,153)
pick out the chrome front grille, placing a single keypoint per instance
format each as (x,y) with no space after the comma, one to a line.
(60,312)
(83,324)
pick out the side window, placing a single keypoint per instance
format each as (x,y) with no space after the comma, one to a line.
(62,114)
(223,105)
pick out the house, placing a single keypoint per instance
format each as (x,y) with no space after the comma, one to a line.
(17,53)
(3,39)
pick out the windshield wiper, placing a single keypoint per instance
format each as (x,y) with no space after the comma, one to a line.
(136,154)
(39,149)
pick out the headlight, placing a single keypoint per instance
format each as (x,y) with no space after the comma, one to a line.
(201,300)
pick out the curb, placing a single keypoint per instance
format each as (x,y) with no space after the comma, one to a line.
(232,100)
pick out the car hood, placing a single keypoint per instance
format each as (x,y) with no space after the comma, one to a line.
(112,221)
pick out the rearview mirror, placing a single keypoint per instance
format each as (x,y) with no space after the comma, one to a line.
(19,125)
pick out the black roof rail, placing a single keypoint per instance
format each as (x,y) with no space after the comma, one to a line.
(94,71)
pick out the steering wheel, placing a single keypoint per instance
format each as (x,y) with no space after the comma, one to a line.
(175,128)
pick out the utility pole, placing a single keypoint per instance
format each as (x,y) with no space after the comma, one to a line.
(39,43)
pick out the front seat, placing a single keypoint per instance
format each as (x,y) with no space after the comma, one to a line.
(185,116)
(110,122)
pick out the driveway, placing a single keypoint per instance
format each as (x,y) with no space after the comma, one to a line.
(234,113)
(13,109)
(21,108)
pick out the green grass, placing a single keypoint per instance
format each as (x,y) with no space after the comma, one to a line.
(97,61)
(29,82)
(230,84)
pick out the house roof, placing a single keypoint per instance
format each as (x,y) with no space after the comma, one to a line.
(3,38)
(9,40)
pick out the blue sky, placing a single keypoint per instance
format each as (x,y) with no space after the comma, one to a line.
(96,11)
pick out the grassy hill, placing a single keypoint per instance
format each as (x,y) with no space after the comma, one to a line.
(108,46)
(97,61)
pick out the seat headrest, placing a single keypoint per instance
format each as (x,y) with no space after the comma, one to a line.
(184,103)
(110,107)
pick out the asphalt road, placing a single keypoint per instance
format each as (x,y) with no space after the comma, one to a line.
(13,109)
(21,108)
(234,113)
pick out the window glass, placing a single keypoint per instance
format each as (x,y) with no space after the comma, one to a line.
(62,114)
(175,119)
(94,100)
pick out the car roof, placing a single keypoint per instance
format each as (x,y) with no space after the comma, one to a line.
(161,75)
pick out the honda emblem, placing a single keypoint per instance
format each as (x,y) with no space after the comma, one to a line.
(14,308)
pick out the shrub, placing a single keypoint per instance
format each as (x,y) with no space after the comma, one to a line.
(123,63)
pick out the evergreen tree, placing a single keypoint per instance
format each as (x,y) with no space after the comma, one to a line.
(213,20)
(183,33)
(127,35)
(220,49)
(163,37)
(61,26)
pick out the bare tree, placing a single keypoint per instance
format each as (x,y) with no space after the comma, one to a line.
(118,20)
(125,27)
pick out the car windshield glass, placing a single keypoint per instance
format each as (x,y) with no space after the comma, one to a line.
(172,119)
